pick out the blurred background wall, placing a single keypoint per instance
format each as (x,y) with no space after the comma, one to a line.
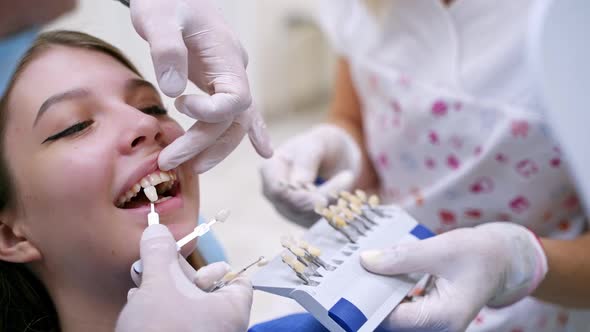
(290,73)
(290,63)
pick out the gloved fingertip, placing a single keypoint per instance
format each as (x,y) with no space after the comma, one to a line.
(371,258)
(201,107)
(261,142)
(203,166)
(166,160)
(240,284)
(259,136)
(131,293)
(156,231)
(135,276)
(206,276)
(180,104)
(172,82)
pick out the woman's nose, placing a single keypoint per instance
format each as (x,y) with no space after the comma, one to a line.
(139,130)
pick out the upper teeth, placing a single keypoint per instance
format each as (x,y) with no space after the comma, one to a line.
(149,180)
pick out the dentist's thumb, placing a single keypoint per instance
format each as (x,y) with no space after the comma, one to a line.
(158,253)
(415,257)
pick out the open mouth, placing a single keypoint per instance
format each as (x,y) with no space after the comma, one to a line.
(165,183)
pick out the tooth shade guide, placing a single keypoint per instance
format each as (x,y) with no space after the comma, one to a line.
(361,195)
(229,276)
(373,201)
(356,209)
(297,251)
(339,221)
(347,213)
(342,203)
(334,209)
(315,252)
(345,194)
(286,257)
(297,266)
(287,241)
(375,296)
(150,193)
(202,229)
(327,213)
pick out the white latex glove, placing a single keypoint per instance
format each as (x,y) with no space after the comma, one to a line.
(495,264)
(326,151)
(190,40)
(169,298)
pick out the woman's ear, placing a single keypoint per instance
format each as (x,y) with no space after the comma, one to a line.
(14,245)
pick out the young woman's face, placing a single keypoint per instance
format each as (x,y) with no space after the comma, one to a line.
(82,130)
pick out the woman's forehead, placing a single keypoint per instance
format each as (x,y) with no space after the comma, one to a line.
(60,69)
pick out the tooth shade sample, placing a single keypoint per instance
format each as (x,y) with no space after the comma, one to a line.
(315,252)
(356,209)
(342,203)
(339,221)
(361,195)
(222,215)
(297,266)
(297,251)
(229,276)
(347,213)
(373,201)
(150,193)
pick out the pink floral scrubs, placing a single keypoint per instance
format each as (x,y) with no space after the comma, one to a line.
(454,128)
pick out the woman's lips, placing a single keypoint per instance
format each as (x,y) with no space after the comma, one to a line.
(174,203)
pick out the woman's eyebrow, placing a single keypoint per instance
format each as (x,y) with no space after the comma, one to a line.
(136,83)
(58,98)
(130,85)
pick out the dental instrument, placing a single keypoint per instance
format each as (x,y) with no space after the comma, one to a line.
(200,230)
(153,216)
(331,298)
(228,277)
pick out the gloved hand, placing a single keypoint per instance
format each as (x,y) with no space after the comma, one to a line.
(170,296)
(190,40)
(495,264)
(326,151)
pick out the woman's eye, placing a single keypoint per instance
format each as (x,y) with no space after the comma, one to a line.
(154,110)
(78,127)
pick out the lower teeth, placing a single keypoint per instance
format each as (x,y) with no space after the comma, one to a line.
(163,199)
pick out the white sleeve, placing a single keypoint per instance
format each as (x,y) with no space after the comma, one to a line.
(347,24)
